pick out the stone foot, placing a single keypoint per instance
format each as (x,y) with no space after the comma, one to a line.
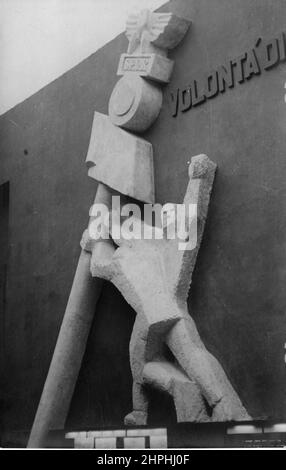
(227,410)
(170,378)
(136,418)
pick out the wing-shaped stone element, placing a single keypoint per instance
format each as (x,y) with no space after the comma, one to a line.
(163,30)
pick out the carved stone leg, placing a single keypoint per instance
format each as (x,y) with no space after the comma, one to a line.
(201,366)
(139,415)
(145,344)
(137,349)
(188,400)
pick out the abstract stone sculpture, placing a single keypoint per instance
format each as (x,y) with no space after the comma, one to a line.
(154,277)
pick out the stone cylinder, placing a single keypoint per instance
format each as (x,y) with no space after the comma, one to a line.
(135,103)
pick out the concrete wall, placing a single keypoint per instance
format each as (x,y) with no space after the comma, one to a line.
(237,298)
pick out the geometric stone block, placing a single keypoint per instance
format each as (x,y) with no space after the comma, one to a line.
(157,432)
(146,432)
(84,443)
(134,443)
(120,160)
(279,427)
(74,434)
(105,442)
(158,442)
(244,429)
(116,433)
(151,66)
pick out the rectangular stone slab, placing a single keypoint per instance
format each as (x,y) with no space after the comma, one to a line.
(120,160)
(151,66)
(134,443)
(84,443)
(105,442)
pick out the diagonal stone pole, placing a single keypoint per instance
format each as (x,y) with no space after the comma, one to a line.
(154,276)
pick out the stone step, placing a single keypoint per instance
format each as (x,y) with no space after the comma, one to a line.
(120,438)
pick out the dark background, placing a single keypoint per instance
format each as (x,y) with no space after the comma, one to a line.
(237,298)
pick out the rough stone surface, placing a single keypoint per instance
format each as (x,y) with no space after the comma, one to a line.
(154,277)
(170,378)
(135,103)
(201,174)
(136,418)
(120,160)
(201,366)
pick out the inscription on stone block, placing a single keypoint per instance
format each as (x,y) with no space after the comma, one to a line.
(152,66)
(135,64)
